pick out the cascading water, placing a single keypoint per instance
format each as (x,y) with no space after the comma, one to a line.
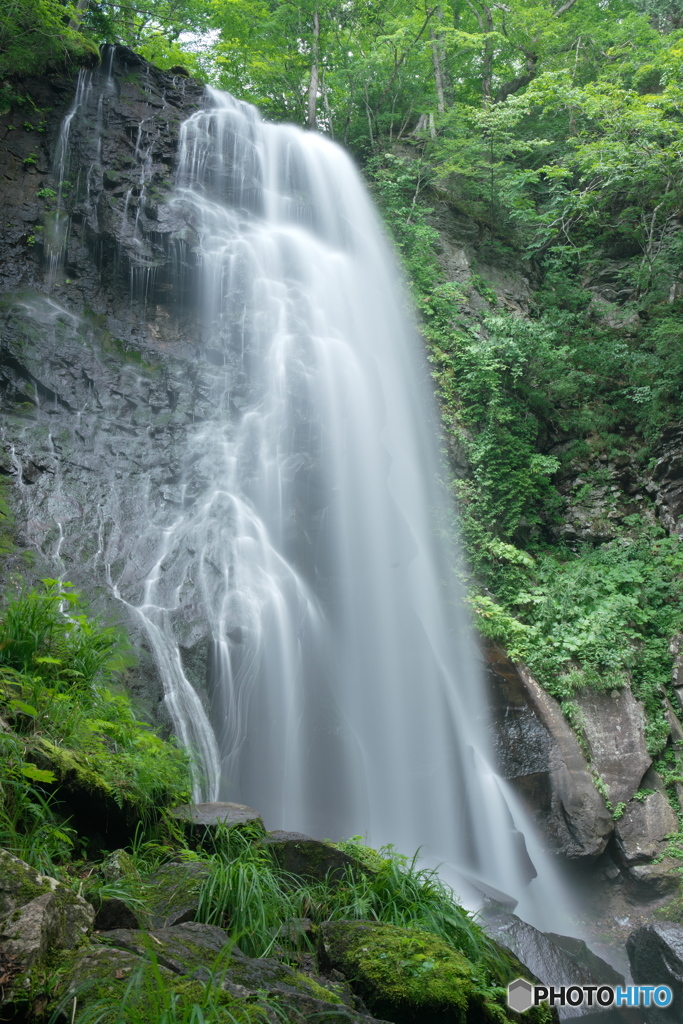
(299,513)
(344,690)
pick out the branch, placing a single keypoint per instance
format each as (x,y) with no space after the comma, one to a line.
(400,63)
(565,7)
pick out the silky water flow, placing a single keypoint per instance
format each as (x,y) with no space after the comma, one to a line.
(344,690)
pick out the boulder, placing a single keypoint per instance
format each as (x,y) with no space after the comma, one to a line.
(115,913)
(537,751)
(655,953)
(614,729)
(37,913)
(661,878)
(171,894)
(83,794)
(310,858)
(406,974)
(188,948)
(200,819)
(641,830)
(553,959)
(117,865)
(187,958)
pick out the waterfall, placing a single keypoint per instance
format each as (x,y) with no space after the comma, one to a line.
(344,691)
(289,557)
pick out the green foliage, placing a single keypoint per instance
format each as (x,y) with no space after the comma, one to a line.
(59,705)
(36,34)
(249,894)
(48,635)
(155,996)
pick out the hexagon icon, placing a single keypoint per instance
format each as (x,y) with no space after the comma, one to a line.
(520,995)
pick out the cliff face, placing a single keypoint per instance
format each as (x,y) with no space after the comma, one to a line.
(100,367)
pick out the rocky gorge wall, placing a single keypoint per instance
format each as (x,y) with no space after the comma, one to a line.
(100,363)
(103,371)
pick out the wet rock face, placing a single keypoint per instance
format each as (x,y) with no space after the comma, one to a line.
(102,371)
(655,952)
(539,754)
(668,477)
(552,959)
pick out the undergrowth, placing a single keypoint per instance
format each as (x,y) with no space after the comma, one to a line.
(599,614)
(63,711)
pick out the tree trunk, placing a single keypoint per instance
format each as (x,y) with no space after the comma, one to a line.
(79,13)
(313,84)
(438,72)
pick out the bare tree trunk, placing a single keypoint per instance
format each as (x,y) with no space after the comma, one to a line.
(313,84)
(438,72)
(79,14)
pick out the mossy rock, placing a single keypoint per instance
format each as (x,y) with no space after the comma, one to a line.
(168,897)
(185,948)
(105,976)
(185,959)
(84,795)
(298,854)
(412,977)
(37,913)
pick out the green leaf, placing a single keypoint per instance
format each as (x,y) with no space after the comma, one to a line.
(26,709)
(37,774)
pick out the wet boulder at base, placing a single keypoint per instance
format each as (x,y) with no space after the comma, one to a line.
(655,953)
(553,959)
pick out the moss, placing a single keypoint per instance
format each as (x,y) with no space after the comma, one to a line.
(407,975)
(7,541)
(21,883)
(106,976)
(312,988)
(72,769)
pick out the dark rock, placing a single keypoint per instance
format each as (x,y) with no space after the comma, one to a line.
(172,893)
(553,959)
(184,948)
(115,913)
(83,795)
(668,477)
(539,754)
(655,953)
(309,858)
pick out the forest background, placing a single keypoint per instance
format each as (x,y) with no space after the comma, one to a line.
(556,130)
